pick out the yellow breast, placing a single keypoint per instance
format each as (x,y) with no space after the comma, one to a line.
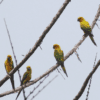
(8,66)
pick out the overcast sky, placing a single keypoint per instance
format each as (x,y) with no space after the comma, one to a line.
(26,20)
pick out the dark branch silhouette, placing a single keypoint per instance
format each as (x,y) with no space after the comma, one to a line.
(86,81)
(90,79)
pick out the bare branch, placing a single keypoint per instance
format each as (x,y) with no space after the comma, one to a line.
(1,1)
(37,86)
(44,87)
(97,25)
(91,79)
(86,81)
(38,42)
(96,17)
(78,56)
(60,73)
(14,56)
(30,83)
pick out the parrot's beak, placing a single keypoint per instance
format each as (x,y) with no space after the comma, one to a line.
(53,47)
(8,59)
(77,19)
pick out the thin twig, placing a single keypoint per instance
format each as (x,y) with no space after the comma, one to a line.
(78,56)
(91,79)
(38,42)
(14,55)
(60,73)
(97,25)
(44,87)
(37,85)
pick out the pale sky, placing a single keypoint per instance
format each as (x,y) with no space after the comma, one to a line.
(26,20)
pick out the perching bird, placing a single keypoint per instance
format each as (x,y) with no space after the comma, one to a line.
(86,28)
(59,55)
(26,78)
(9,66)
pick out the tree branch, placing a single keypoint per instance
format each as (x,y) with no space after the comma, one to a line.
(1,1)
(44,87)
(37,86)
(96,17)
(38,42)
(86,81)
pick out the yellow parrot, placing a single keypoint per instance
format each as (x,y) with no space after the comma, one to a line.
(59,56)
(26,78)
(86,28)
(9,66)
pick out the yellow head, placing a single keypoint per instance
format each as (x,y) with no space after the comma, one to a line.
(9,58)
(29,69)
(56,46)
(80,19)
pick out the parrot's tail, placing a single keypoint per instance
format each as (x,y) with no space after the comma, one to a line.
(12,82)
(62,65)
(91,37)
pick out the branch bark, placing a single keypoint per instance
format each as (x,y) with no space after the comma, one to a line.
(86,81)
(37,43)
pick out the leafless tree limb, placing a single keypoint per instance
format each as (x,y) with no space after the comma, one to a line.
(96,17)
(86,81)
(37,86)
(97,25)
(91,79)
(38,42)
(1,1)
(30,83)
(78,56)
(60,73)
(14,57)
(44,87)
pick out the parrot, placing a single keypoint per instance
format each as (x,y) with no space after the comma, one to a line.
(59,56)
(86,28)
(26,78)
(9,66)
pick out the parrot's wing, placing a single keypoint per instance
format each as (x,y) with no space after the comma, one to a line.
(12,64)
(24,77)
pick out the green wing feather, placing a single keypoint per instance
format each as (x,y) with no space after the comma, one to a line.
(59,55)
(24,77)
(88,31)
(12,64)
